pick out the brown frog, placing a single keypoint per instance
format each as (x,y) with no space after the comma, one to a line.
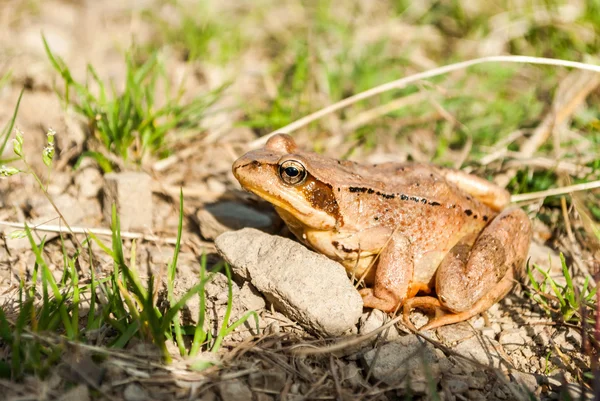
(402,229)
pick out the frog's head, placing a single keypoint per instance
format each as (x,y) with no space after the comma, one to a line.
(286,177)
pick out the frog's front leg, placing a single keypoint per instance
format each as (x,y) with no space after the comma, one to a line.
(393,276)
(468,283)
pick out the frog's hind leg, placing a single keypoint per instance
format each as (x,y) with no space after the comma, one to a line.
(468,281)
(444,317)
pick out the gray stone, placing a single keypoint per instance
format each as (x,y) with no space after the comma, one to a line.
(455,333)
(234,390)
(374,319)
(481,349)
(407,361)
(88,182)
(68,206)
(527,381)
(250,298)
(511,339)
(305,286)
(488,332)
(568,341)
(575,393)
(455,384)
(132,193)
(217,218)
(477,382)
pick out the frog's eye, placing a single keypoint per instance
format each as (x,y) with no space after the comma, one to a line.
(292,172)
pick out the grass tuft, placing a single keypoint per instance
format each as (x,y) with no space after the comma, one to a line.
(136,121)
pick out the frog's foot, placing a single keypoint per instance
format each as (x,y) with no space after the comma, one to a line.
(426,303)
(385,301)
(444,317)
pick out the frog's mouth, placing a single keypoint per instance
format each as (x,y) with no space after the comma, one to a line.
(298,208)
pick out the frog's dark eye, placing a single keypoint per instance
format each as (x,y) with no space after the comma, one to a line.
(292,172)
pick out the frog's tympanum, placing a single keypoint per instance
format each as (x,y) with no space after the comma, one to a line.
(403,229)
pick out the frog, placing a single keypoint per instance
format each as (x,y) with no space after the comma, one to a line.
(413,235)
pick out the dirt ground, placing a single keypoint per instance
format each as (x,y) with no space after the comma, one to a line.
(516,350)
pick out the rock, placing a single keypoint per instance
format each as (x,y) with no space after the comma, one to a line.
(59,184)
(512,339)
(478,381)
(455,384)
(481,349)
(305,286)
(217,218)
(488,332)
(88,182)
(568,340)
(406,362)
(250,298)
(132,193)
(500,394)
(135,392)
(374,319)
(455,333)
(575,392)
(217,289)
(527,381)
(234,390)
(78,393)
(69,207)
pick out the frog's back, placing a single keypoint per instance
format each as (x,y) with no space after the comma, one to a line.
(411,181)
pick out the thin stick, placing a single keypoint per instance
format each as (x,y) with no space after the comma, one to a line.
(96,231)
(402,82)
(555,191)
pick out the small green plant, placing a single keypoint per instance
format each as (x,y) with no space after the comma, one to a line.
(565,299)
(118,300)
(134,122)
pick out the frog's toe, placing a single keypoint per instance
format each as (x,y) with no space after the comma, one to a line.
(427,303)
(387,303)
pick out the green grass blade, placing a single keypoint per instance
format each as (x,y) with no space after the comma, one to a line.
(75,301)
(174,309)
(172,269)
(47,274)
(199,334)
(126,336)
(225,323)
(11,124)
